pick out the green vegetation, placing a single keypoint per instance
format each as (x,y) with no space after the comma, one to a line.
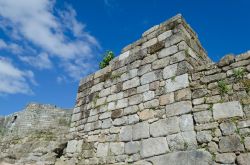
(239,73)
(173,78)
(108,56)
(223,87)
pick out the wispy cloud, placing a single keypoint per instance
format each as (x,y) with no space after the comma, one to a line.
(41,61)
(59,37)
(14,80)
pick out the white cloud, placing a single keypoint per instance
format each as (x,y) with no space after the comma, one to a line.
(42,61)
(14,80)
(36,22)
(3,45)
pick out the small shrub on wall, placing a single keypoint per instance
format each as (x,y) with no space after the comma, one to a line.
(108,56)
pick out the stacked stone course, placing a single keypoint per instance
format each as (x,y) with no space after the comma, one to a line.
(159,103)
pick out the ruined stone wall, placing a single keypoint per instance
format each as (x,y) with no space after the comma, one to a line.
(35,117)
(36,135)
(159,103)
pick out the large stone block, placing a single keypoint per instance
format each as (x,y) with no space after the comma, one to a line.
(226,158)
(168,51)
(153,146)
(165,127)
(243,159)
(231,143)
(126,133)
(169,71)
(183,158)
(176,83)
(189,138)
(178,108)
(176,142)
(132,147)
(131,83)
(186,123)
(148,77)
(160,63)
(72,146)
(116,148)
(227,110)
(140,130)
(102,149)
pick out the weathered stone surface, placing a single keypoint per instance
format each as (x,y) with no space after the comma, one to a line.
(131,83)
(178,108)
(180,56)
(132,119)
(199,93)
(189,138)
(151,104)
(149,95)
(146,114)
(228,128)
(186,123)
(243,124)
(153,146)
(161,63)
(107,123)
(116,148)
(165,35)
(231,143)
(135,99)
(183,157)
(126,133)
(225,158)
(132,147)
(212,147)
(166,99)
(204,136)
(165,127)
(183,95)
(148,77)
(203,116)
(243,159)
(213,78)
(227,110)
(72,146)
(226,60)
(140,130)
(149,43)
(176,83)
(176,142)
(169,71)
(122,103)
(247,143)
(102,149)
(168,51)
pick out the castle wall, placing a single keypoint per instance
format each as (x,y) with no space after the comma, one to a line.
(159,103)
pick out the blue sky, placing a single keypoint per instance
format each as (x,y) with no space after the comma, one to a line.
(47,46)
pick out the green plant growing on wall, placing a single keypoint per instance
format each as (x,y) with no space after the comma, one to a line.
(108,56)
(239,73)
(223,87)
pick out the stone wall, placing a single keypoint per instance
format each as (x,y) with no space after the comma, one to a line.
(163,101)
(35,117)
(38,134)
